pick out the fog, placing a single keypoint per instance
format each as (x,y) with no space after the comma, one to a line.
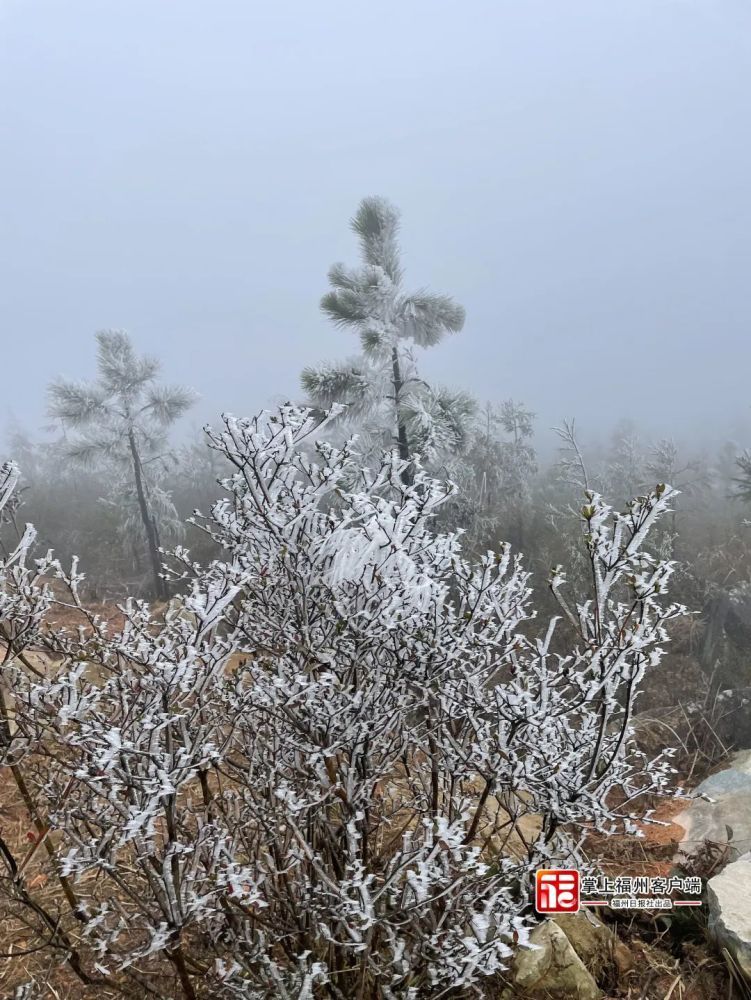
(575,174)
(318,703)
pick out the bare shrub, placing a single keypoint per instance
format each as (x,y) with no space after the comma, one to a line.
(283,787)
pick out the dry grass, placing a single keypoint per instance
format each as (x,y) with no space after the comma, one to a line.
(22,960)
(31,951)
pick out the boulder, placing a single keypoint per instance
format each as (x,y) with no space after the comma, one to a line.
(729,899)
(593,942)
(730,807)
(552,969)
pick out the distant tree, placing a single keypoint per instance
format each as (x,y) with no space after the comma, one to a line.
(380,388)
(494,476)
(518,455)
(665,464)
(123,417)
(742,480)
(625,470)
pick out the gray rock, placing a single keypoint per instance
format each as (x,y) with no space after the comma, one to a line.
(729,898)
(730,791)
(592,941)
(552,969)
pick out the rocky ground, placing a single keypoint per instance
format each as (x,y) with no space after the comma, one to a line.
(701,953)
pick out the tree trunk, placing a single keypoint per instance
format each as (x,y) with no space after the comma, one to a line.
(715,615)
(402,438)
(160,585)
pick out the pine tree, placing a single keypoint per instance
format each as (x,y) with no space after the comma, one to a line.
(379,388)
(123,418)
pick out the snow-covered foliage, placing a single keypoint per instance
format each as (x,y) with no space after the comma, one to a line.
(24,597)
(330,768)
(380,390)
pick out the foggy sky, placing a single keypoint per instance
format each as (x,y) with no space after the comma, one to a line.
(575,173)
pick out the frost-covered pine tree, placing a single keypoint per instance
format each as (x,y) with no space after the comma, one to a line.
(379,388)
(122,418)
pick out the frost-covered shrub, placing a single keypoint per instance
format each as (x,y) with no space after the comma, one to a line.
(330,770)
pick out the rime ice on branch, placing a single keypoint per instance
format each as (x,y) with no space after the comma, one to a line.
(300,782)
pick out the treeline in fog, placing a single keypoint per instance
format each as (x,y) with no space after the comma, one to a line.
(117,480)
